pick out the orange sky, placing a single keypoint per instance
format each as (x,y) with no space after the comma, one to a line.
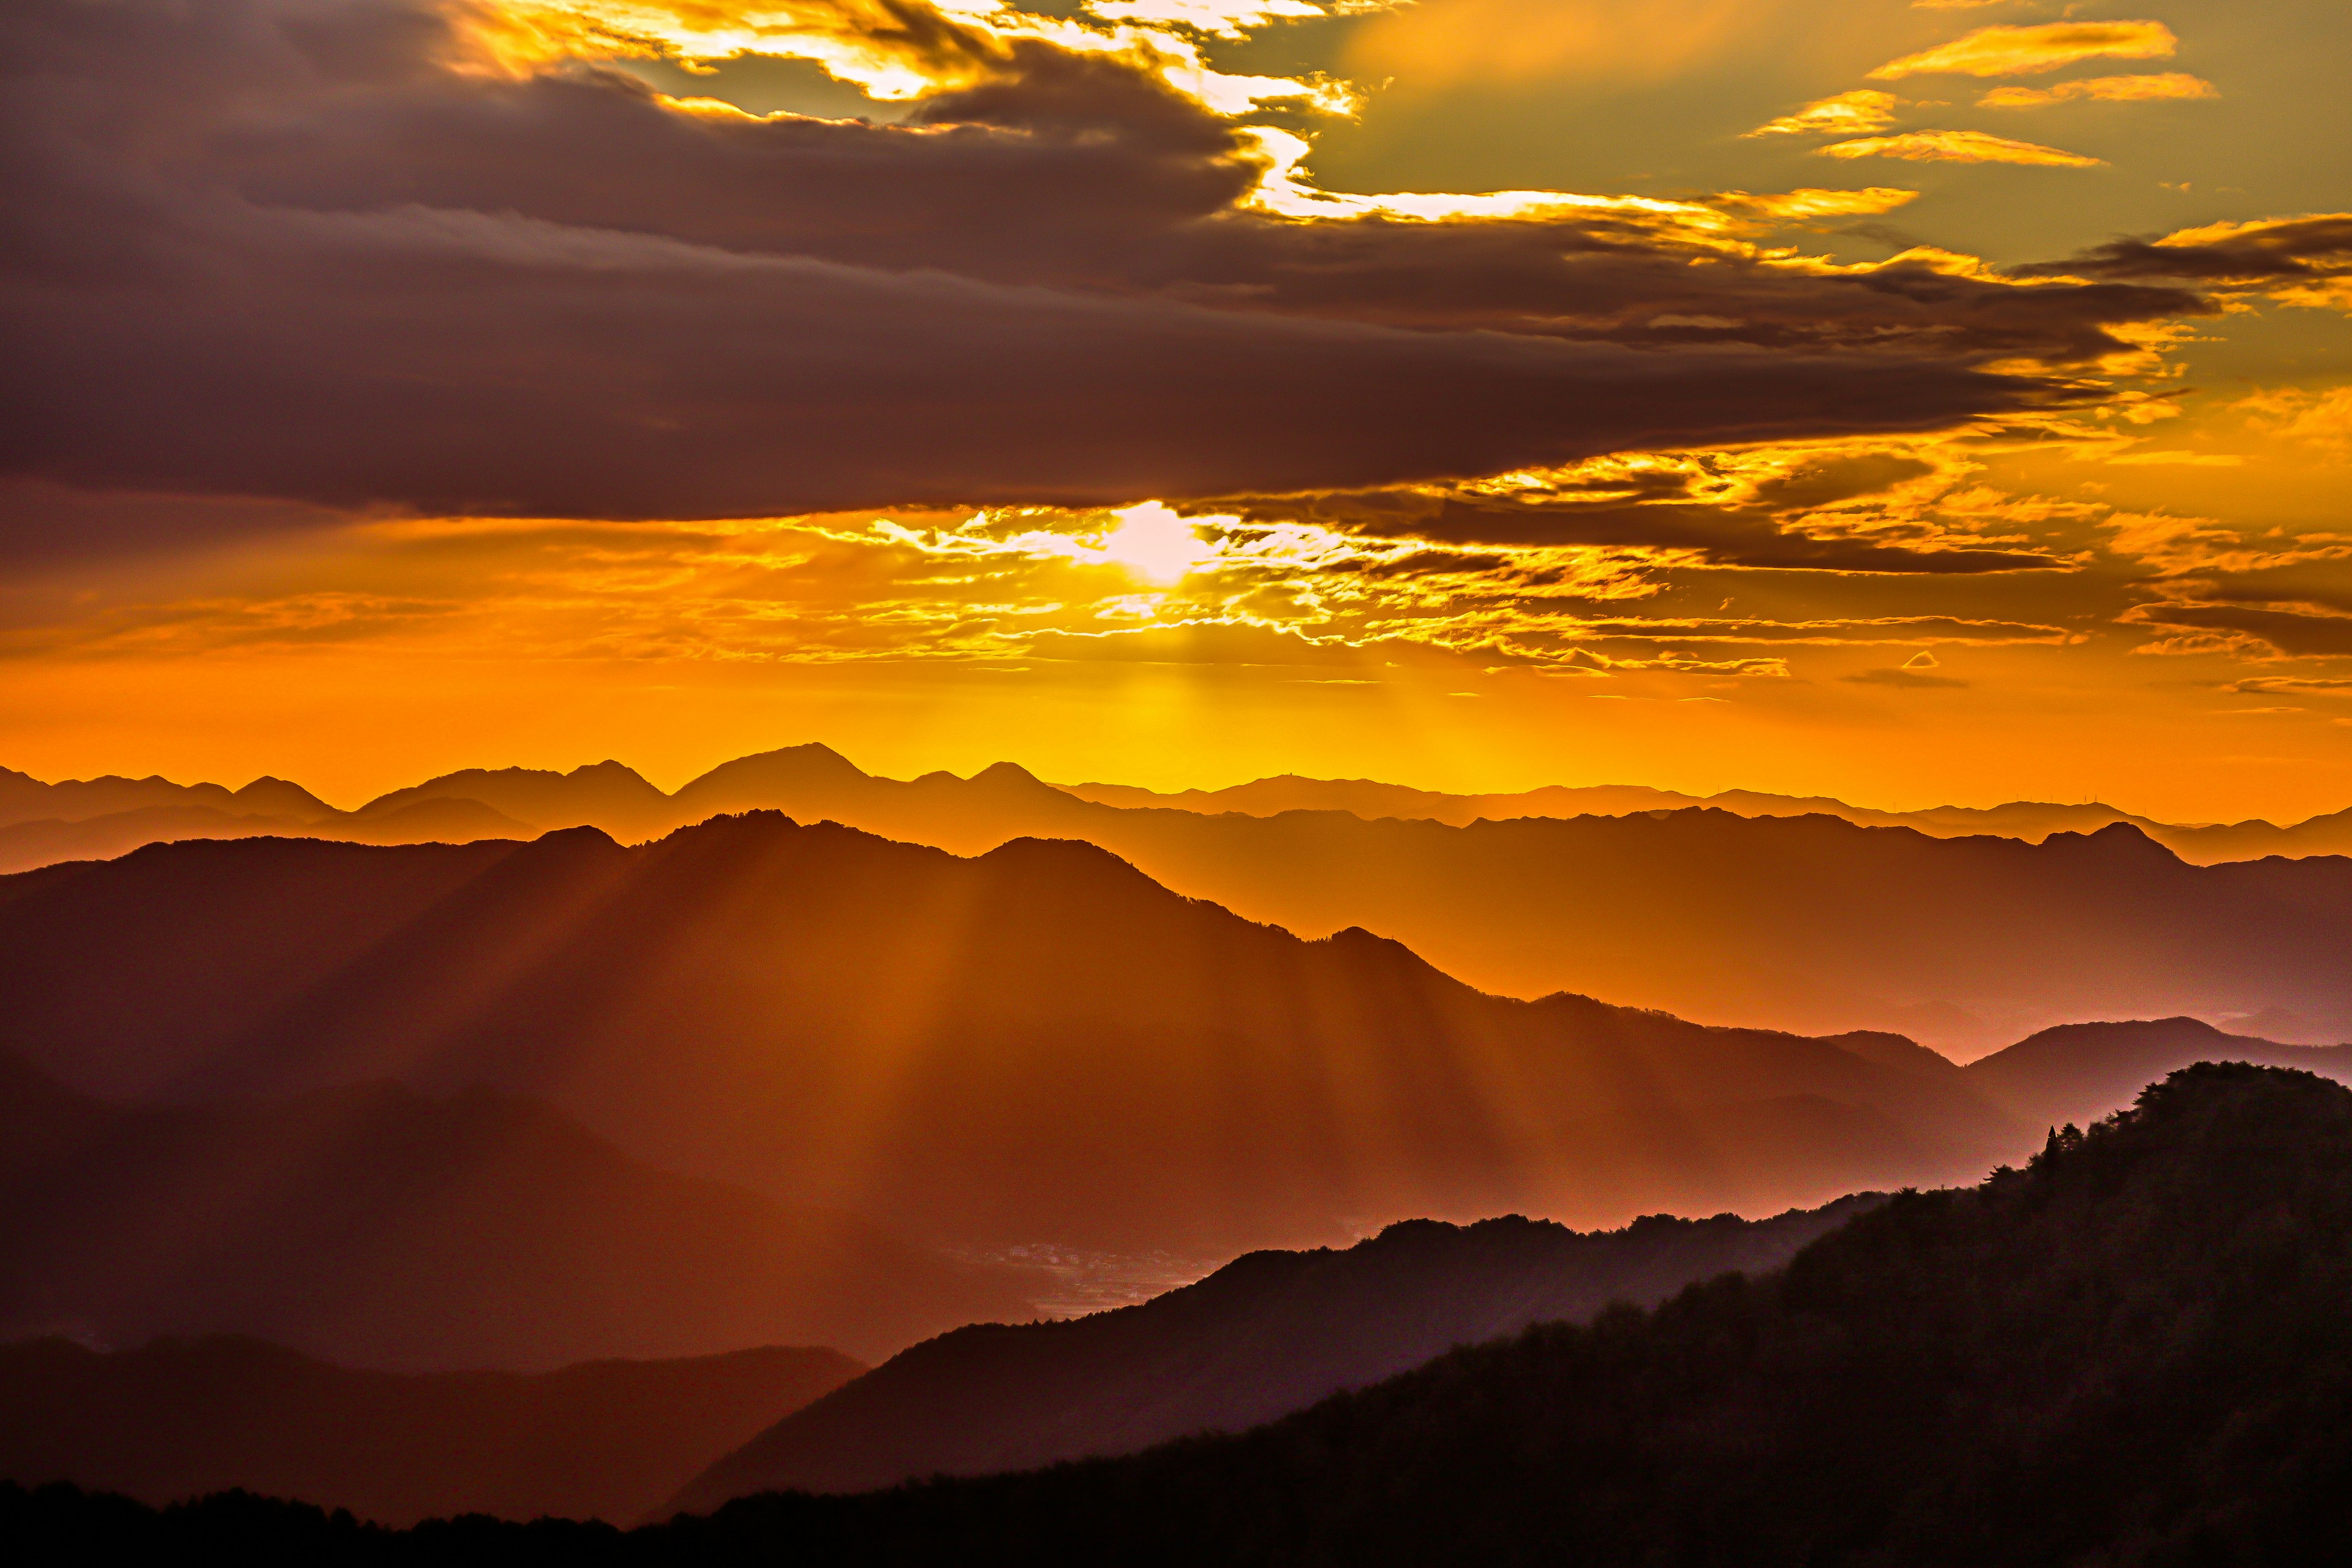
(1105,415)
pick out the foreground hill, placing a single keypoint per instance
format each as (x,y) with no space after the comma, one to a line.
(1268,1334)
(180,1418)
(1039,1044)
(374,1227)
(2133,1353)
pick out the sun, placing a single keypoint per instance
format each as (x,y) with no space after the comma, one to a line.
(1155,545)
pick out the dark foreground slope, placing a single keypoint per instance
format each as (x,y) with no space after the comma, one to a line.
(180,1418)
(1265,1335)
(376,1226)
(1039,1044)
(2134,1351)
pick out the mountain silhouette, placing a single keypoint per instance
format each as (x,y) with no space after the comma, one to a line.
(604,794)
(23,798)
(26,845)
(2082,1072)
(180,1418)
(1040,1044)
(1965,929)
(2198,843)
(374,1227)
(2133,1352)
(1265,1335)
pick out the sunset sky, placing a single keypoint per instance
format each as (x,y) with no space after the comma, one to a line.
(1946,401)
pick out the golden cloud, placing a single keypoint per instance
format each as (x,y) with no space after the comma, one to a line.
(2323,418)
(2029,51)
(1855,113)
(2104,89)
(1806,202)
(1957,147)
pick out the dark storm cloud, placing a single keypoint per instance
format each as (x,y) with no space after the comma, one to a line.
(285,248)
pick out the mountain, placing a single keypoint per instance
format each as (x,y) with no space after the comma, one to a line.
(2081,1072)
(26,845)
(180,1418)
(605,794)
(1809,923)
(23,798)
(2201,844)
(2134,1352)
(1265,1335)
(1039,1044)
(374,1227)
(1945,925)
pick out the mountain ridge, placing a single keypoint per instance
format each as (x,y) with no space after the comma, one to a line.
(1265,1089)
(1269,1333)
(180,1418)
(377,1227)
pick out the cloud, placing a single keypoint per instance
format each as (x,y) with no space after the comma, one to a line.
(1691,534)
(2318,246)
(1804,203)
(2322,685)
(2031,50)
(1916,673)
(1956,147)
(2102,89)
(1847,114)
(2299,413)
(322,252)
(2281,633)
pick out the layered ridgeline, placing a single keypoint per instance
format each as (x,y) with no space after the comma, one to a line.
(1039,1044)
(1810,923)
(180,1418)
(87,818)
(1267,1334)
(378,1227)
(2133,1352)
(2200,843)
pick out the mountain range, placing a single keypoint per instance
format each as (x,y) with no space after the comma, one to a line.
(180,1418)
(618,799)
(2200,843)
(1814,923)
(374,1227)
(1037,1044)
(2133,1350)
(1267,1334)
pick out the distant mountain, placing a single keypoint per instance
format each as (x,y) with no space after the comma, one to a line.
(180,1418)
(1798,921)
(2081,1072)
(2200,843)
(374,1227)
(1268,1334)
(605,794)
(2133,1353)
(23,798)
(24,845)
(1037,1044)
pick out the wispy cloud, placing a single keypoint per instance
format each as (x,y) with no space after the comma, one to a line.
(2104,89)
(1847,114)
(2029,51)
(1957,147)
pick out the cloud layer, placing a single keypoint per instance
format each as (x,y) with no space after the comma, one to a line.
(347,252)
